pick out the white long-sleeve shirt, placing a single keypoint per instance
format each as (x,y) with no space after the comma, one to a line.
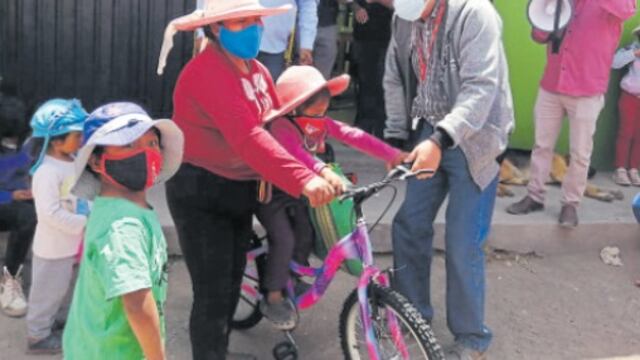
(59,230)
(631,81)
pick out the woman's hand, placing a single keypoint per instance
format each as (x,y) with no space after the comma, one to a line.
(362,16)
(318,191)
(333,179)
(399,159)
(426,155)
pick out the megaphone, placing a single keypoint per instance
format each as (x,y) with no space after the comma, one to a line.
(549,15)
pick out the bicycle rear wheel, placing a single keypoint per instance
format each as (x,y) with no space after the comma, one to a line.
(247,314)
(417,334)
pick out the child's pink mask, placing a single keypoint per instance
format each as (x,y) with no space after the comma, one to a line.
(315,132)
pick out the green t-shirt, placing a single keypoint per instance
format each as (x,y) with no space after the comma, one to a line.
(124,251)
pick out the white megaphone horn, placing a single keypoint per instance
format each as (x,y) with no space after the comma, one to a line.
(542,14)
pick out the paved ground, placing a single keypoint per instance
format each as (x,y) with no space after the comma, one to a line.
(558,307)
(562,303)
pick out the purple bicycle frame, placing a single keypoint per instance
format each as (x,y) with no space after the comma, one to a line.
(353,246)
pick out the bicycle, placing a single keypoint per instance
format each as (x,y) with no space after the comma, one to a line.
(389,318)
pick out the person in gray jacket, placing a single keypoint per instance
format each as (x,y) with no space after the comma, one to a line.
(462,115)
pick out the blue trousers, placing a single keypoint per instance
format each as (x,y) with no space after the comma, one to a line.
(468,220)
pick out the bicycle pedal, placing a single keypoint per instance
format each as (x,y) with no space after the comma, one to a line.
(285,351)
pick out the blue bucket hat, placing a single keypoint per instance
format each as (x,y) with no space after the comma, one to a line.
(119,124)
(56,117)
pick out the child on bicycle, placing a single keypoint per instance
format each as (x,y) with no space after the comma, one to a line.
(302,127)
(117,308)
(57,134)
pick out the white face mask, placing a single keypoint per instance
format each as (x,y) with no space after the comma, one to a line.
(409,10)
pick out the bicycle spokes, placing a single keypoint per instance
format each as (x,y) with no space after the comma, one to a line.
(369,311)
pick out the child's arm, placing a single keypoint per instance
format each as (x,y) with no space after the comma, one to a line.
(11,163)
(144,320)
(46,193)
(124,267)
(624,56)
(362,141)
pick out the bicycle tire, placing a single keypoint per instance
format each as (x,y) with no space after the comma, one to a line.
(408,317)
(251,317)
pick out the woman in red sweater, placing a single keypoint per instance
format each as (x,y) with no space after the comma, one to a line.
(219,102)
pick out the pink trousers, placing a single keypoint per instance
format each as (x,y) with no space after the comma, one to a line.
(550,111)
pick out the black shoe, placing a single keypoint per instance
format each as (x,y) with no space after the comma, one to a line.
(568,216)
(50,345)
(525,206)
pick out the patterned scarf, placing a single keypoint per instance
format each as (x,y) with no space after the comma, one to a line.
(427,39)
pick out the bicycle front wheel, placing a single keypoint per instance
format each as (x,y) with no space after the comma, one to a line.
(416,332)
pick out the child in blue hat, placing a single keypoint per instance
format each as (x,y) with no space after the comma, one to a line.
(57,135)
(117,310)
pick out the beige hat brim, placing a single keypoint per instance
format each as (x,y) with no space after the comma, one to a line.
(336,86)
(198,19)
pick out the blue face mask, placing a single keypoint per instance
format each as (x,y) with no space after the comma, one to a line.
(244,44)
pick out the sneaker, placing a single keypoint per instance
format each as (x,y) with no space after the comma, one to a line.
(621,177)
(50,345)
(459,352)
(525,206)
(634,177)
(568,216)
(12,300)
(283,314)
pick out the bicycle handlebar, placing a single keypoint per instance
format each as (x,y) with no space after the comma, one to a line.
(399,173)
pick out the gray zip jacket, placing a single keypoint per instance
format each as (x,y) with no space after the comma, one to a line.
(476,83)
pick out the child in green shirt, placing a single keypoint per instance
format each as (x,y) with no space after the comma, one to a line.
(117,308)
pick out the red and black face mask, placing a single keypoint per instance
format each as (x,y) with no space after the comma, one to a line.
(314,129)
(136,170)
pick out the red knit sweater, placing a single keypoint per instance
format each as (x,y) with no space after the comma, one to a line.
(220,111)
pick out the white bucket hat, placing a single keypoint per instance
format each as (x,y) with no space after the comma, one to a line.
(119,124)
(214,11)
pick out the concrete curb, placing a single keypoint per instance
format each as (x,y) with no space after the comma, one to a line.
(541,239)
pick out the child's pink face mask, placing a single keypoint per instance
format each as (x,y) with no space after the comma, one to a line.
(315,132)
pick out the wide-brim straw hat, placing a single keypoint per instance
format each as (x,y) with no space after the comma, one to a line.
(120,124)
(214,11)
(299,83)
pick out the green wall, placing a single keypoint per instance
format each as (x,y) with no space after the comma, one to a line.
(526,64)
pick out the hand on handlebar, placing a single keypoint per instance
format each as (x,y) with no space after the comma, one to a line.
(426,155)
(399,159)
(398,173)
(334,180)
(318,191)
